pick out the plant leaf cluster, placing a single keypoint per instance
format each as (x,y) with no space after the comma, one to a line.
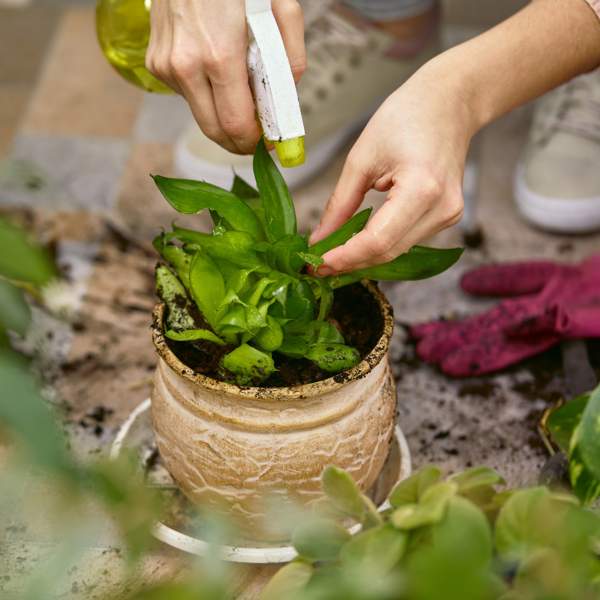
(453,538)
(250,277)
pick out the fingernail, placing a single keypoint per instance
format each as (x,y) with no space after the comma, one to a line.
(324,271)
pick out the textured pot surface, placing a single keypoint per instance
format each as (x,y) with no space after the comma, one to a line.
(230,448)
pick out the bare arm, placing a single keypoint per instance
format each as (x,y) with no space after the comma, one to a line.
(415,146)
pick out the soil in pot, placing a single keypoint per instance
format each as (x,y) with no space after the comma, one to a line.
(354,310)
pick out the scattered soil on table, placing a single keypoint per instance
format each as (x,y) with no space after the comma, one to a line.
(354,310)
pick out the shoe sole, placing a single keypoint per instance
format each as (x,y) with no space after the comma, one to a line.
(318,157)
(575,215)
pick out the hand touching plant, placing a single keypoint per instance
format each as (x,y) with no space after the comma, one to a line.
(248,278)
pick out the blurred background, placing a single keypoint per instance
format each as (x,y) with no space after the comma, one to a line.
(77,145)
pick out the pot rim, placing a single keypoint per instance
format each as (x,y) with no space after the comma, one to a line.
(315,388)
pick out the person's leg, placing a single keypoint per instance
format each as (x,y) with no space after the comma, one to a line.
(356,58)
(557,181)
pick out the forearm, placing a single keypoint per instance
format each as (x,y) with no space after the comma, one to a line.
(540,47)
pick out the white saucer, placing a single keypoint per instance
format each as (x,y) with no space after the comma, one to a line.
(136,434)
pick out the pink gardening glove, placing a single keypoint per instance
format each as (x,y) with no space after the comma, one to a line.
(551,302)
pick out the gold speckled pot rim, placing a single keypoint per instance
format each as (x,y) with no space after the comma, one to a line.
(375,356)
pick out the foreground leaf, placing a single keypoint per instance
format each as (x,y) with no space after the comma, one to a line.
(418,263)
(320,539)
(333,358)
(21,259)
(430,509)
(190,197)
(347,498)
(242,189)
(411,489)
(476,477)
(288,581)
(15,314)
(280,216)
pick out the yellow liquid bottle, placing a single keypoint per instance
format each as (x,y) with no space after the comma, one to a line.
(123,28)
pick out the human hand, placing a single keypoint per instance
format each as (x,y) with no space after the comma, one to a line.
(414,147)
(198,48)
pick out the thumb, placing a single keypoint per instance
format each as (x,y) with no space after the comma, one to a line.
(348,195)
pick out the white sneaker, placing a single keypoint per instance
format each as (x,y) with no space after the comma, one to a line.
(351,71)
(557,181)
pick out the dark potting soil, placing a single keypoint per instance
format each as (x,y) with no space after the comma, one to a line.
(354,311)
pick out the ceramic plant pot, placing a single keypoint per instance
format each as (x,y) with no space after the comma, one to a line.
(229,448)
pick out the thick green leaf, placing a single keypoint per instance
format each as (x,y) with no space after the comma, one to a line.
(190,197)
(242,189)
(180,260)
(429,510)
(171,291)
(248,365)
(589,434)
(530,519)
(280,216)
(207,287)
(476,477)
(320,539)
(343,234)
(288,581)
(192,335)
(285,253)
(411,489)
(21,259)
(418,263)
(323,332)
(346,497)
(269,338)
(563,421)
(233,246)
(375,551)
(332,357)
(14,310)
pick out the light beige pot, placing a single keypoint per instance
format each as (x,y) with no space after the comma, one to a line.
(229,448)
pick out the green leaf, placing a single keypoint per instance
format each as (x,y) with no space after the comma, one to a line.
(233,246)
(171,291)
(311,259)
(585,485)
(474,478)
(375,551)
(285,254)
(332,357)
(21,259)
(320,539)
(411,489)
(248,365)
(343,234)
(242,189)
(563,421)
(430,509)
(207,287)
(347,498)
(180,260)
(280,216)
(192,335)
(190,197)
(529,519)
(15,314)
(418,263)
(323,332)
(589,434)
(325,298)
(294,346)
(288,581)
(269,338)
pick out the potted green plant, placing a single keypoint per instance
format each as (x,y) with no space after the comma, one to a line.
(267,373)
